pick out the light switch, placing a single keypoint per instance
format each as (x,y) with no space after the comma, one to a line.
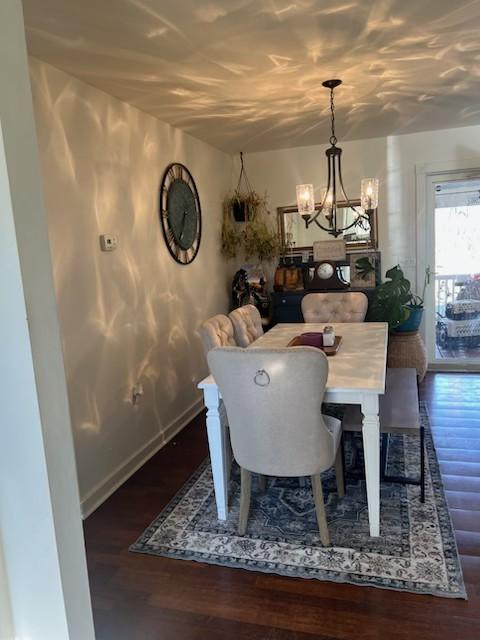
(108,242)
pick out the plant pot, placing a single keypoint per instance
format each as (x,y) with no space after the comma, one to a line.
(407,350)
(412,323)
(239,211)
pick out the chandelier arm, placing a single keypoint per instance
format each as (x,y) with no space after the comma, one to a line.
(360,214)
(319,211)
(333,221)
(319,224)
(352,224)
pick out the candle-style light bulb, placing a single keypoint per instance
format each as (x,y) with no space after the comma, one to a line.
(305,201)
(369,193)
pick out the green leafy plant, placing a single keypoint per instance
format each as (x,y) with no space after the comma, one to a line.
(245,205)
(390,299)
(364,267)
(255,235)
(260,240)
(416,302)
(231,237)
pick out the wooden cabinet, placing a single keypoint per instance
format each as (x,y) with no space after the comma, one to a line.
(287,304)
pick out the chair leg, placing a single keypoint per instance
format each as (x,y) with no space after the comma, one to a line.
(384,455)
(245,491)
(339,473)
(320,509)
(262,483)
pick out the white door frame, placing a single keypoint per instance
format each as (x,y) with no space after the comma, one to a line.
(425,174)
(41,537)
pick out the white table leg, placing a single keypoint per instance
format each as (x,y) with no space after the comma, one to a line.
(371,448)
(218,444)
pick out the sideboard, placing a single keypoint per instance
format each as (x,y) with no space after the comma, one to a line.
(287,304)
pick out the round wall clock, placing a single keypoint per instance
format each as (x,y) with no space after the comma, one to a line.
(180,213)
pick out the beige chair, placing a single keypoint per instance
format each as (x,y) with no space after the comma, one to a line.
(274,399)
(335,307)
(217,332)
(247,323)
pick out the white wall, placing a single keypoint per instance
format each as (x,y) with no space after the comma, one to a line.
(41,541)
(391,159)
(7,631)
(130,316)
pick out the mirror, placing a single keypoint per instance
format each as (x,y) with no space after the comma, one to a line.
(294,234)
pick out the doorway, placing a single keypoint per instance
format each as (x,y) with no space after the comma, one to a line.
(453,271)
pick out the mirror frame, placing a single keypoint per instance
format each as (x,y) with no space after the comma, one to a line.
(365,244)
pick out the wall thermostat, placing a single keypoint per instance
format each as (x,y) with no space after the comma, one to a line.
(108,242)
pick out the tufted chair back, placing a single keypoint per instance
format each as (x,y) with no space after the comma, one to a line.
(247,323)
(335,307)
(217,332)
(274,405)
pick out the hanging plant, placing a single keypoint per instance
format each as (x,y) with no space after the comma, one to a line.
(261,241)
(255,235)
(231,238)
(244,201)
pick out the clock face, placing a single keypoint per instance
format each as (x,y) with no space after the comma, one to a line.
(180,213)
(325,270)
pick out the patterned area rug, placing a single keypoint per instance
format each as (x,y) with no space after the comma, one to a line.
(415,552)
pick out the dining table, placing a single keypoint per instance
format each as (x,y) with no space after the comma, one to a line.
(356,375)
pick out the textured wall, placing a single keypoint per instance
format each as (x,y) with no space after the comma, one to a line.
(129,316)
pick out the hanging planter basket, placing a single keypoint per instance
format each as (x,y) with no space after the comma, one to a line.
(245,224)
(243,197)
(239,210)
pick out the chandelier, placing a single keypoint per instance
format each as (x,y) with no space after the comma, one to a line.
(335,188)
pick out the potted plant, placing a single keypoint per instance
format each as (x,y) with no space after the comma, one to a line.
(414,320)
(255,235)
(244,201)
(394,302)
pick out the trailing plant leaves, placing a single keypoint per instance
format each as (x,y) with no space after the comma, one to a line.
(231,238)
(259,240)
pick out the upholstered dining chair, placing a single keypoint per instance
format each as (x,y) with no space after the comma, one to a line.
(217,331)
(274,399)
(350,306)
(247,323)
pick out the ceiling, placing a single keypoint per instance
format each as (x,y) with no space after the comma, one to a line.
(246,74)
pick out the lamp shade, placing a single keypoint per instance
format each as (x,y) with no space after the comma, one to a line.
(369,193)
(305,199)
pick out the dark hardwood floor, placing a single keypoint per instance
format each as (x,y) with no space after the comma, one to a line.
(139,597)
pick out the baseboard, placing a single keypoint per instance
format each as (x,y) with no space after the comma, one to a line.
(454,367)
(113,481)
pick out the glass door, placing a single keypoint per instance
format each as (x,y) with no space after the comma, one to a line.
(453,297)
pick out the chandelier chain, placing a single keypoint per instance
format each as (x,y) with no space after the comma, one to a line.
(333,137)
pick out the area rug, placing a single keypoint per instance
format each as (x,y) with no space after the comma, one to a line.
(415,552)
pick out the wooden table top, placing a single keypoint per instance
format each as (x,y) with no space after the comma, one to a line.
(360,363)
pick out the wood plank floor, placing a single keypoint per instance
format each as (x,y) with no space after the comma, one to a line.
(138,597)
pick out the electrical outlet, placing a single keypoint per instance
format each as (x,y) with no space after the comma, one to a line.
(108,242)
(137,393)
